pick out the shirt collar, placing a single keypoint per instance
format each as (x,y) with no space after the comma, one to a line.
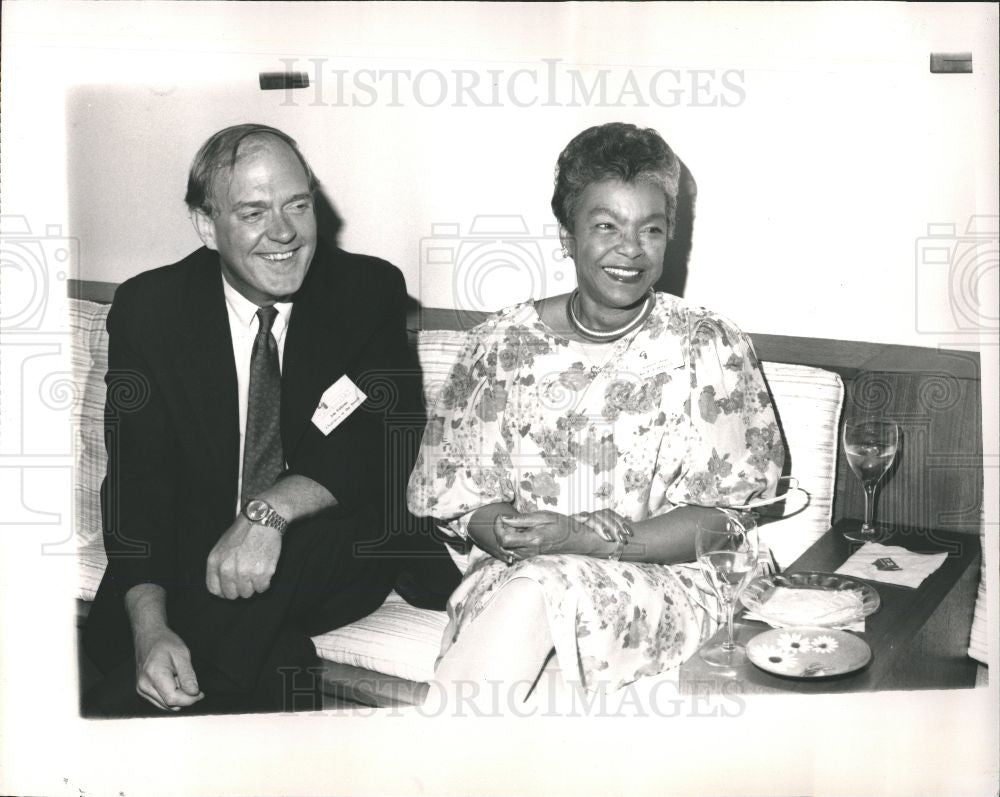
(245,311)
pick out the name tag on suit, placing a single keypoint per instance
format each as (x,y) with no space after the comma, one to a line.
(337,402)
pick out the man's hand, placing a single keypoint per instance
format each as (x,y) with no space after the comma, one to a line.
(163,672)
(243,560)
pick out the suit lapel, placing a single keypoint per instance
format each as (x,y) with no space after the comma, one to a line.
(314,354)
(207,370)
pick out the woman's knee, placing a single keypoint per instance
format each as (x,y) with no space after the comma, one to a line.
(523,596)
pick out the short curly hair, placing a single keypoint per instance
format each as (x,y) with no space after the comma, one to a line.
(616,150)
(218,156)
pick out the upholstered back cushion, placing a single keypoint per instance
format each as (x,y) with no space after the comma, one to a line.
(808,401)
(90,363)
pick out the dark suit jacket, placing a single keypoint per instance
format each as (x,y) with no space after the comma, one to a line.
(172,412)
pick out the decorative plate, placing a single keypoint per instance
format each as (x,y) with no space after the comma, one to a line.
(808,652)
(758,591)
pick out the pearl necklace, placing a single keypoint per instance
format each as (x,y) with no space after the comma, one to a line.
(611,334)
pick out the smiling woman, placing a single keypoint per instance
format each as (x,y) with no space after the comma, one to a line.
(618,244)
(616,202)
(579,440)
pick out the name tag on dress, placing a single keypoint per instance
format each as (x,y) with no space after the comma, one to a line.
(337,402)
(649,370)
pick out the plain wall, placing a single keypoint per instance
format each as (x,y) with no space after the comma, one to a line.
(821,144)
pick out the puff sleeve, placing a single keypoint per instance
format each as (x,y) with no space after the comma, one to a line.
(735,452)
(464,462)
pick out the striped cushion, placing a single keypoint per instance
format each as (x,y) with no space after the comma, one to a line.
(808,401)
(979,639)
(397,639)
(91,561)
(89,354)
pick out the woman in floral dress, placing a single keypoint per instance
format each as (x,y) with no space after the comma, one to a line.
(579,439)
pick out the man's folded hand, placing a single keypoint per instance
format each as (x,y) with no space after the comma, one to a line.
(243,560)
(164,675)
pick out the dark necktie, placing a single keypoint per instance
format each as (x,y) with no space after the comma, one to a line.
(263,460)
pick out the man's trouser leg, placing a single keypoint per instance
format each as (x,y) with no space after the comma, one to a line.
(256,652)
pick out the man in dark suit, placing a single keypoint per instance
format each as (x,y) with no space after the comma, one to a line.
(236,390)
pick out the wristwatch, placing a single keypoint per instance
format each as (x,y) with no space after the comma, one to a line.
(263,514)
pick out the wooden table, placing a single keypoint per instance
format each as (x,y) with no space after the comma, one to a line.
(918,636)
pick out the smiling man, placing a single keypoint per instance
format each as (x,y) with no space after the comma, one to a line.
(241,513)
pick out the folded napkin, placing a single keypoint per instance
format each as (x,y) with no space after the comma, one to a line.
(787,607)
(891,564)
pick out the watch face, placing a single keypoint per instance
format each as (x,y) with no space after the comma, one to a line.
(256,510)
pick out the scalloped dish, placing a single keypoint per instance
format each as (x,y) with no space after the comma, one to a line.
(815,599)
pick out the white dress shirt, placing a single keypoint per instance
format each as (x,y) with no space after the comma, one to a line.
(243,326)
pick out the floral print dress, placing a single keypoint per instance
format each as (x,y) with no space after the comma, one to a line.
(675,413)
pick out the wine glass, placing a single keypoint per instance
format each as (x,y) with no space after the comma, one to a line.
(727,549)
(870,445)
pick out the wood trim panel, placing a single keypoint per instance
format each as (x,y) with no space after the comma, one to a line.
(849,358)
(101,292)
(937,478)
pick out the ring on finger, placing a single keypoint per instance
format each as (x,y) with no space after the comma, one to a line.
(624,530)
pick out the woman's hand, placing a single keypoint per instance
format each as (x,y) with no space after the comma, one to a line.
(607,523)
(544,532)
(665,539)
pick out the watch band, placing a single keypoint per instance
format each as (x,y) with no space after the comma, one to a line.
(262,513)
(275,521)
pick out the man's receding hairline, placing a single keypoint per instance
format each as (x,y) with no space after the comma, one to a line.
(256,141)
(248,146)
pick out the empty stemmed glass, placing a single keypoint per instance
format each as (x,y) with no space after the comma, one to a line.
(727,549)
(870,445)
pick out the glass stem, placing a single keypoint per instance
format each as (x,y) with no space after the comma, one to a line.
(729,644)
(869,506)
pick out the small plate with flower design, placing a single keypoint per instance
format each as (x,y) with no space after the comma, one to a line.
(808,652)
